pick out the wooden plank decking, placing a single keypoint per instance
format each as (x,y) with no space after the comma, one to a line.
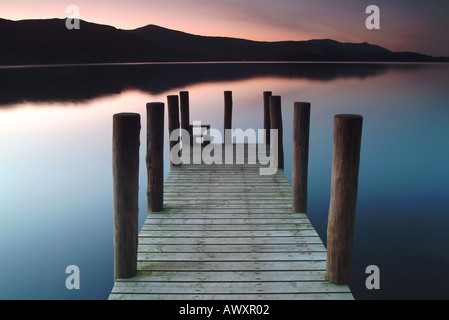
(227,232)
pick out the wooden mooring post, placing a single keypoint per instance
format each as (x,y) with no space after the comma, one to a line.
(276,124)
(213,253)
(300,164)
(345,172)
(227,117)
(155,156)
(266,115)
(185,109)
(125,171)
(173,119)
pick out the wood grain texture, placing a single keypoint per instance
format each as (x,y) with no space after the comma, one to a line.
(345,172)
(227,123)
(125,168)
(155,156)
(276,124)
(228,233)
(300,164)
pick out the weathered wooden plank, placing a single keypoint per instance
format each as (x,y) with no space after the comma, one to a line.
(240,218)
(231,256)
(205,198)
(234,202)
(231,265)
(240,248)
(226,221)
(285,212)
(254,174)
(224,190)
(227,276)
(227,287)
(226,296)
(184,187)
(249,171)
(227,206)
(237,234)
(218,226)
(282,197)
(229,241)
(227,232)
(238,182)
(224,187)
(226,227)
(225,174)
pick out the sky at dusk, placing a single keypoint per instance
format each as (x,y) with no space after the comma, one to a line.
(405,25)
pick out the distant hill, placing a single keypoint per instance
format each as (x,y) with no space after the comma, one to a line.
(50,42)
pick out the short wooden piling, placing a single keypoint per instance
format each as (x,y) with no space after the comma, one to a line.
(345,170)
(276,124)
(125,168)
(155,156)
(227,116)
(173,119)
(266,115)
(300,164)
(185,109)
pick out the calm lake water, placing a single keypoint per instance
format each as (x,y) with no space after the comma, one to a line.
(56,164)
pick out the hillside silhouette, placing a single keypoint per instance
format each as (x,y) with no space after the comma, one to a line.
(30,42)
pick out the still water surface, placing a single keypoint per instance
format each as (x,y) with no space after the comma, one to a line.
(56,167)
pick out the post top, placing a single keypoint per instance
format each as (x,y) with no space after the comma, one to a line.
(302,103)
(275,99)
(127,115)
(348,117)
(155,104)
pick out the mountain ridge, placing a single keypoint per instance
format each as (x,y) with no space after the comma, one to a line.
(48,41)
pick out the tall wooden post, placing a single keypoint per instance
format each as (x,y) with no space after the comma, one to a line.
(345,172)
(185,113)
(185,109)
(266,115)
(276,124)
(173,119)
(227,116)
(300,165)
(155,156)
(125,171)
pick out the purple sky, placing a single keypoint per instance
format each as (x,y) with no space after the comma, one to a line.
(405,25)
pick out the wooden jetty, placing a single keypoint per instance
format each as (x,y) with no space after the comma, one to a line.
(225,232)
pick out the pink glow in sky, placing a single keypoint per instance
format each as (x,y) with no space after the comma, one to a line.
(406,25)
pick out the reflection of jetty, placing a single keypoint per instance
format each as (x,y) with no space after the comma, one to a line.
(225,231)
